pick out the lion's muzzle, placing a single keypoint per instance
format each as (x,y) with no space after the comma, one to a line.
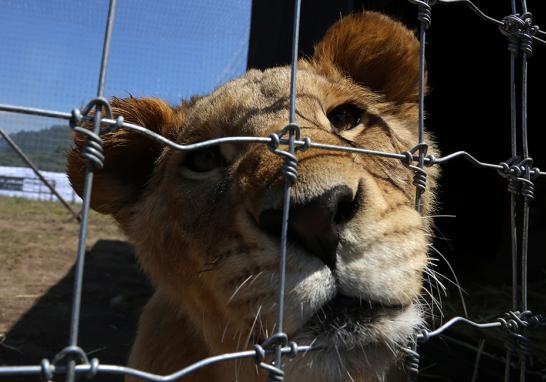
(315,224)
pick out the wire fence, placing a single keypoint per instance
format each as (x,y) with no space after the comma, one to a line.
(518,170)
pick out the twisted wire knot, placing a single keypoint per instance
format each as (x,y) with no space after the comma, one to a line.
(98,103)
(93,368)
(529,30)
(513,44)
(411,360)
(419,178)
(517,171)
(277,339)
(290,166)
(520,31)
(423,336)
(69,353)
(305,146)
(420,175)
(430,160)
(118,125)
(46,373)
(527,188)
(273,145)
(76,118)
(511,172)
(514,186)
(514,323)
(526,44)
(512,25)
(92,149)
(424,14)
(291,129)
(509,168)
(275,374)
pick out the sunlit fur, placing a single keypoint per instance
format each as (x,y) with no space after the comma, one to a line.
(196,234)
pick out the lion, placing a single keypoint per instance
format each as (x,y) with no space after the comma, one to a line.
(205,223)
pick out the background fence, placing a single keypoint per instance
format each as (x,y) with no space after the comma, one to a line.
(518,170)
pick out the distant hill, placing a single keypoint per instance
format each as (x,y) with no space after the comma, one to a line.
(46,148)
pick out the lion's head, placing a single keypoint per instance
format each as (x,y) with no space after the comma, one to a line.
(206,223)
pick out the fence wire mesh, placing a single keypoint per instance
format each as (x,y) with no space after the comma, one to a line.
(518,170)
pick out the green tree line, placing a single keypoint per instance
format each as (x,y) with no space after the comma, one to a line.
(46,148)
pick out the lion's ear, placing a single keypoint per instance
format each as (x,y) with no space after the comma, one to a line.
(129,157)
(374,51)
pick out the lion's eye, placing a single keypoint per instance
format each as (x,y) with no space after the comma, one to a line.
(345,117)
(205,160)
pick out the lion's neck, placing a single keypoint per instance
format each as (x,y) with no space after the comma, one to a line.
(168,340)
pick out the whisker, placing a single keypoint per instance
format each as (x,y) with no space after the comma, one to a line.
(340,364)
(247,342)
(239,288)
(434,274)
(427,303)
(455,277)
(435,302)
(224,332)
(431,294)
(432,263)
(350,376)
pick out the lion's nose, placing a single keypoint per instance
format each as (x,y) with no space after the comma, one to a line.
(315,224)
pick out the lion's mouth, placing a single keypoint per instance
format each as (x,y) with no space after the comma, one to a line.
(350,315)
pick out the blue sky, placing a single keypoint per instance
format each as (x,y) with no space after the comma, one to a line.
(172,49)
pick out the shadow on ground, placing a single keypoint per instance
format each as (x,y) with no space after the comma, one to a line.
(114,292)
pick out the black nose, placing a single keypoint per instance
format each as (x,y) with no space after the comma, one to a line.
(315,224)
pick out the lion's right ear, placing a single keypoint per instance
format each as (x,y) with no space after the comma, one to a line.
(375,51)
(129,157)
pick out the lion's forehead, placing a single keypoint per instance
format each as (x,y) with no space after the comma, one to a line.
(260,100)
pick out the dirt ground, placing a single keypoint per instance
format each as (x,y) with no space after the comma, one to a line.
(39,243)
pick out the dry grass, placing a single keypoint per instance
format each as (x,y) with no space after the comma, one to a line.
(39,243)
(29,227)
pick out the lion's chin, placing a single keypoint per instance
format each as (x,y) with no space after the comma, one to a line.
(349,314)
(350,322)
(350,337)
(354,342)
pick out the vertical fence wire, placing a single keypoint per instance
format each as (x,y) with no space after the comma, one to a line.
(525,152)
(525,52)
(87,189)
(292,130)
(424,17)
(513,48)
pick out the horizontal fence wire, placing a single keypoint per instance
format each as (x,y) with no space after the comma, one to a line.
(119,123)
(519,171)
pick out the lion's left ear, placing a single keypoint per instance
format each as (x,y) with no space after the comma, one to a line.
(129,158)
(375,51)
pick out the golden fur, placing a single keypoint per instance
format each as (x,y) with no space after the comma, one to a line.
(198,234)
